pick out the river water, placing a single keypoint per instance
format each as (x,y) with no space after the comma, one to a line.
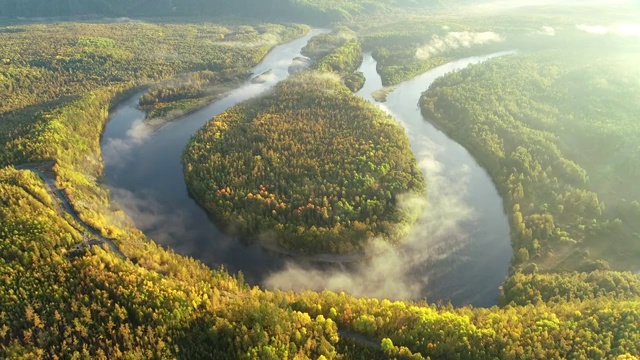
(460,251)
(462,241)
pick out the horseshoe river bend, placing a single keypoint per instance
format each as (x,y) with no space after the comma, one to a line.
(459,250)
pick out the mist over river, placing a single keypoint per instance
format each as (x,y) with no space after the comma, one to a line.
(460,249)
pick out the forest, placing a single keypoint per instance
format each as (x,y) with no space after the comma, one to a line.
(73,59)
(310,166)
(554,125)
(559,138)
(56,303)
(339,52)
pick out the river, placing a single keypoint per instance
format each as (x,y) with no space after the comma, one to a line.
(463,259)
(462,241)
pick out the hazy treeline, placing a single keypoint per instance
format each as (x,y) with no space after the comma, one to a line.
(557,130)
(405,49)
(309,11)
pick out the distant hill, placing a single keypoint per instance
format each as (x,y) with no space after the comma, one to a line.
(313,11)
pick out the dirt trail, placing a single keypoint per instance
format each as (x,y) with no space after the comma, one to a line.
(56,192)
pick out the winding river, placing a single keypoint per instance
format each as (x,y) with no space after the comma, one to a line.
(462,242)
(460,251)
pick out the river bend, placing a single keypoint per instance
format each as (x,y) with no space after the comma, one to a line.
(460,251)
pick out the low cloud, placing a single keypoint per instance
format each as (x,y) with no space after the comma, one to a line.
(116,150)
(398,272)
(121,20)
(264,77)
(455,40)
(547,30)
(266,39)
(508,5)
(621,29)
(165,226)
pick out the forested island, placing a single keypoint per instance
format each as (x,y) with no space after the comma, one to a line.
(310,166)
(555,125)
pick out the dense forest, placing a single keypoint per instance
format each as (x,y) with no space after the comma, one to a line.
(72,59)
(160,305)
(155,305)
(339,52)
(310,166)
(555,126)
(58,303)
(559,136)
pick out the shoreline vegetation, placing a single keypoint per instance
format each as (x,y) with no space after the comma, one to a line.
(162,305)
(184,93)
(381,95)
(192,91)
(338,53)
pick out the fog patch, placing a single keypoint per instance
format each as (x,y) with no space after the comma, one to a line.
(161,225)
(299,64)
(266,39)
(621,29)
(455,40)
(121,20)
(266,76)
(397,272)
(378,278)
(507,5)
(115,150)
(547,30)
(247,92)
